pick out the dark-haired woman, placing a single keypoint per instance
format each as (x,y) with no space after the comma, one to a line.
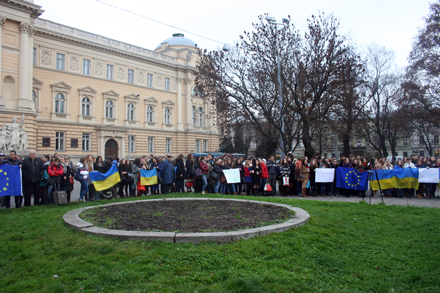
(180,173)
(123,173)
(284,173)
(256,174)
(189,166)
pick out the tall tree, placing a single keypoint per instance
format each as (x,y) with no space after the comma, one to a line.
(312,70)
(423,72)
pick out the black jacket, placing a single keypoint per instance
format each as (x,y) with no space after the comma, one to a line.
(32,170)
(180,172)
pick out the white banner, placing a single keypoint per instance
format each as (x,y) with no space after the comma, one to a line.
(428,175)
(324,175)
(285,181)
(232,175)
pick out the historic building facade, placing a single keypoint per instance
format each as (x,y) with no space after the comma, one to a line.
(84,93)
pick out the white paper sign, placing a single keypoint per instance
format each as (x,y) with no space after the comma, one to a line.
(285,181)
(232,175)
(428,175)
(324,175)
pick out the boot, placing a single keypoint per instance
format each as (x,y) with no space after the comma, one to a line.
(304,192)
(235,193)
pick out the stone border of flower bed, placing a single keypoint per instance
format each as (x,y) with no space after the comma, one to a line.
(73,220)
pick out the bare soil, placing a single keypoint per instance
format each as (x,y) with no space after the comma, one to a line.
(186,216)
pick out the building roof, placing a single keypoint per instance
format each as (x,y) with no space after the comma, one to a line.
(178,39)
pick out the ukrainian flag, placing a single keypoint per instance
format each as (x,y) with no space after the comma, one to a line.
(148,177)
(403,178)
(107,180)
(10,180)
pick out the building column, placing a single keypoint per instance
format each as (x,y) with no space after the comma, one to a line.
(179,104)
(2,21)
(31,65)
(24,101)
(188,104)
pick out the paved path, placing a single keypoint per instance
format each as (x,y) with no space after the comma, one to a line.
(434,203)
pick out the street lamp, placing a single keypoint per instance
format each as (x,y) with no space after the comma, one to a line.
(130,118)
(272,20)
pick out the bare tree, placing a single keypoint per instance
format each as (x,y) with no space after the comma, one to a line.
(312,70)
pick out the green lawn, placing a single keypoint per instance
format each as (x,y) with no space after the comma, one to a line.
(345,247)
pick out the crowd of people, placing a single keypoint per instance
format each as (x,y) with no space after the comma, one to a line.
(41,176)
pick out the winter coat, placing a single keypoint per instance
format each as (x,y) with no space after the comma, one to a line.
(264,173)
(168,172)
(180,171)
(204,168)
(32,169)
(55,171)
(272,168)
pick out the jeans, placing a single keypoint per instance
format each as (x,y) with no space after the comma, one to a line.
(179,185)
(230,188)
(222,188)
(50,189)
(84,189)
(298,187)
(205,182)
(262,184)
(216,185)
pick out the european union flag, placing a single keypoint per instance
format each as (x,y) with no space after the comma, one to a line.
(349,178)
(10,180)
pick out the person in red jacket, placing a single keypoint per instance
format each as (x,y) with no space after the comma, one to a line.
(204,168)
(55,171)
(264,175)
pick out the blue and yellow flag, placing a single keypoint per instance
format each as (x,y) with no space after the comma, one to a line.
(349,178)
(403,178)
(10,180)
(148,177)
(107,180)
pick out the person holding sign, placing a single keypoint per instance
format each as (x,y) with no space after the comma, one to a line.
(255,172)
(284,176)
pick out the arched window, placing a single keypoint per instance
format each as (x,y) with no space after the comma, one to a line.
(59,103)
(109,109)
(150,112)
(194,91)
(194,116)
(85,106)
(200,117)
(34,99)
(130,112)
(167,118)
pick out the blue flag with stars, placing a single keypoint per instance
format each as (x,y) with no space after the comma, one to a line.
(349,178)
(10,180)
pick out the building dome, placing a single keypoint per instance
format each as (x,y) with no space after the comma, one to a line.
(178,40)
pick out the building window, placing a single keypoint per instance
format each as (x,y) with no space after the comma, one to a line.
(34,56)
(405,154)
(59,103)
(130,112)
(150,80)
(34,99)
(109,109)
(420,139)
(435,141)
(150,113)
(194,116)
(85,106)
(151,144)
(130,76)
(167,118)
(168,145)
(358,143)
(205,146)
(86,66)
(60,61)
(197,145)
(86,142)
(131,144)
(167,83)
(405,142)
(200,117)
(109,71)
(59,141)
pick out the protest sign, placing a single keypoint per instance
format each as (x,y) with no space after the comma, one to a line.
(324,175)
(428,175)
(232,175)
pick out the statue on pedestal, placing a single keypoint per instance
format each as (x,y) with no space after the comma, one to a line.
(13,136)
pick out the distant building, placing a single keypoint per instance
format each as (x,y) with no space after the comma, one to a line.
(78,90)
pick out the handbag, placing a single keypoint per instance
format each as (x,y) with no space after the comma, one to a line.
(223,179)
(214,175)
(301,177)
(189,184)
(199,173)
(285,181)
(267,187)
(71,180)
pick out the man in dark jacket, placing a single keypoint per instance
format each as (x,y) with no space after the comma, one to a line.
(32,170)
(168,172)
(272,169)
(12,160)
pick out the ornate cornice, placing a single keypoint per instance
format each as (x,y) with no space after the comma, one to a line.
(34,10)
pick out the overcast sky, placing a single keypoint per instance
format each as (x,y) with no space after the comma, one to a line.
(390,23)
